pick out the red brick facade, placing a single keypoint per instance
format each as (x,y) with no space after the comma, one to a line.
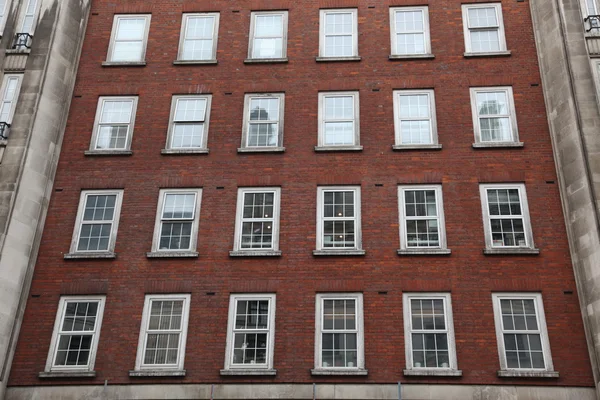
(381,275)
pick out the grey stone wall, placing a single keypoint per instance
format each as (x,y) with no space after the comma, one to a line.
(31,155)
(301,391)
(574,120)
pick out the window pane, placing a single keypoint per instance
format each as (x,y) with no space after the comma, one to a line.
(339,107)
(338,23)
(485,41)
(482,17)
(268,25)
(127,51)
(116,111)
(179,206)
(131,28)
(187,136)
(190,110)
(267,48)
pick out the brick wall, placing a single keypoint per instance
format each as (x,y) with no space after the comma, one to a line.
(297,276)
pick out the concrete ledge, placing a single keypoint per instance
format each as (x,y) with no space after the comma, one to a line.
(489,54)
(261,149)
(323,391)
(508,251)
(156,372)
(172,254)
(255,253)
(67,374)
(338,148)
(183,151)
(404,147)
(108,152)
(339,372)
(432,372)
(410,56)
(528,374)
(75,256)
(265,60)
(3,142)
(248,372)
(339,252)
(18,51)
(195,62)
(327,59)
(424,252)
(124,64)
(492,145)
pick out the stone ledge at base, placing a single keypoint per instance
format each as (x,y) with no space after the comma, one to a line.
(528,374)
(248,372)
(67,374)
(339,372)
(322,391)
(432,372)
(150,373)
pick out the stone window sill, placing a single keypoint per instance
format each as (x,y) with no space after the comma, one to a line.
(488,54)
(255,253)
(506,373)
(18,51)
(183,151)
(124,64)
(261,149)
(403,147)
(3,142)
(339,252)
(265,60)
(172,254)
(507,251)
(108,152)
(339,371)
(75,256)
(432,372)
(67,374)
(251,372)
(424,252)
(195,62)
(327,59)
(410,56)
(338,148)
(492,145)
(156,372)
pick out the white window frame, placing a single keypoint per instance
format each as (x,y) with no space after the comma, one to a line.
(360,340)
(403,218)
(524,212)
(96,130)
(467,30)
(512,116)
(215,37)
(158,221)
(320,218)
(408,330)
(398,121)
(4,7)
(270,331)
(113,36)
(586,12)
(174,102)
(142,342)
(14,101)
(284,22)
(542,328)
(24,15)
(79,220)
(322,14)
(321,139)
(62,306)
(246,122)
(239,220)
(595,65)
(394,34)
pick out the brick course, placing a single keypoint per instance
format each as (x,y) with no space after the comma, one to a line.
(297,276)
